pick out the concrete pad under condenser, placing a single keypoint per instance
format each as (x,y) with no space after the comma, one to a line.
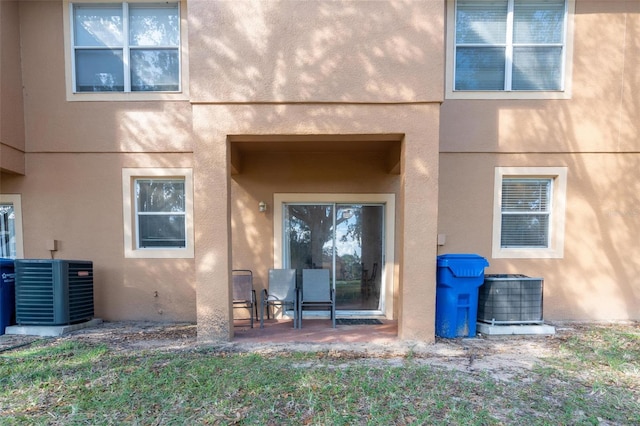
(50,330)
(507,330)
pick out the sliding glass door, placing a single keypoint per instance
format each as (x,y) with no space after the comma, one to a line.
(347,239)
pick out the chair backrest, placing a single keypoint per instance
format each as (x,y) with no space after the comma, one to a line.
(282,284)
(316,286)
(242,284)
(374,271)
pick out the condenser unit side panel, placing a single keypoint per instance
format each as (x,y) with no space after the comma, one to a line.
(34,293)
(80,276)
(53,292)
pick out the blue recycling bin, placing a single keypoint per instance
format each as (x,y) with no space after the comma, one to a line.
(459,276)
(7,293)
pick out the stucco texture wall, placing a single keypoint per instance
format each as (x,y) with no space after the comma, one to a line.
(76,199)
(252,237)
(11,104)
(598,276)
(595,134)
(320,51)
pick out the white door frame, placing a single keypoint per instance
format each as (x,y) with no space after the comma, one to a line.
(388,200)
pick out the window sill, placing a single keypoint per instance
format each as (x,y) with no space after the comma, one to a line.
(126,97)
(527,253)
(185,253)
(507,95)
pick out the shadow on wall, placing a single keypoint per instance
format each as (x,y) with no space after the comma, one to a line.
(316,51)
(595,136)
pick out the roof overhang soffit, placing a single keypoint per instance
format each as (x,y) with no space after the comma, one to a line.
(390,145)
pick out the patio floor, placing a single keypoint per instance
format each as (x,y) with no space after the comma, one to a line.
(314,331)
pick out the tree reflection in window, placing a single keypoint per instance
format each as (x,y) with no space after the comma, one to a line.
(153,46)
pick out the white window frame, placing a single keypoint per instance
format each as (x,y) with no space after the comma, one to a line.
(558,176)
(16,201)
(564,93)
(131,249)
(388,200)
(183,51)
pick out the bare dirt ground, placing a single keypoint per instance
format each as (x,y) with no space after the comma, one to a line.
(502,357)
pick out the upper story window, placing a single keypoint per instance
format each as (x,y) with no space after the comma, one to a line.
(125,47)
(504,46)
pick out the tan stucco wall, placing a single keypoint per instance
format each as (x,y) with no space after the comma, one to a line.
(295,172)
(314,68)
(55,125)
(263,68)
(595,134)
(598,276)
(287,172)
(320,51)
(325,68)
(76,199)
(603,114)
(11,105)
(72,191)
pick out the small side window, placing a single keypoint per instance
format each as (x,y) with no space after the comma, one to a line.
(11,226)
(160,211)
(529,212)
(526,210)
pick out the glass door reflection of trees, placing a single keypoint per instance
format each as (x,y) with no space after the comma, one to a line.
(347,239)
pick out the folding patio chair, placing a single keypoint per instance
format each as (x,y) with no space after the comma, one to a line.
(281,292)
(316,292)
(244,296)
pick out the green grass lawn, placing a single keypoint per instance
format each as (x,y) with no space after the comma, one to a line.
(594,378)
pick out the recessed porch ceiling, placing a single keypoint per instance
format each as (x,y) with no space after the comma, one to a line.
(387,144)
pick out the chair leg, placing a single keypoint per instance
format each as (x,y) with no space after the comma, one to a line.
(296,318)
(333,315)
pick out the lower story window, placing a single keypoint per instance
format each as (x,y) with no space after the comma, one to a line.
(158,212)
(526,208)
(10,226)
(529,212)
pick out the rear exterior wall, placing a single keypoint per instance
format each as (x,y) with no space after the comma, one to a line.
(595,134)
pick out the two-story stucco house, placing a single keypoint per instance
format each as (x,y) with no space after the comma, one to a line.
(172,142)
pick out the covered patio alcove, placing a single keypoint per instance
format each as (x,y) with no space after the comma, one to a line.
(238,166)
(320,201)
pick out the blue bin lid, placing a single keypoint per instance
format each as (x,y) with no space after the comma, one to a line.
(463,265)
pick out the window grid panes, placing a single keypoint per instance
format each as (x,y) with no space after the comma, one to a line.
(126,47)
(504,45)
(160,213)
(526,210)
